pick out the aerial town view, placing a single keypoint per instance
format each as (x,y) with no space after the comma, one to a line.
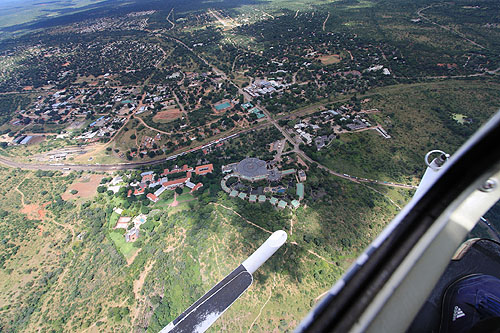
(147,148)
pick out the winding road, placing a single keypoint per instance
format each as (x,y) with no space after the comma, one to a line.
(135,165)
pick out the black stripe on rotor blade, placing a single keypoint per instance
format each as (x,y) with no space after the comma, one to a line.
(211,305)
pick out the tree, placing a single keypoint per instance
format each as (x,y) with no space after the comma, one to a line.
(178,190)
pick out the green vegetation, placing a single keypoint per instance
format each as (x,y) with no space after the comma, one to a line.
(127,249)
(419,118)
(138,82)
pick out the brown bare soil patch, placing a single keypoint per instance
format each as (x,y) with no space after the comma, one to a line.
(31,211)
(329,59)
(28,88)
(167,115)
(86,187)
(40,233)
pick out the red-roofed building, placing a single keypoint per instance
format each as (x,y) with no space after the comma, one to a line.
(185,168)
(152,197)
(175,183)
(204,169)
(147,178)
(196,187)
(139,191)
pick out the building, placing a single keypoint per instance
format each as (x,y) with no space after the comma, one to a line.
(282,204)
(242,195)
(302,175)
(262,198)
(170,185)
(159,191)
(26,140)
(204,169)
(252,169)
(139,191)
(196,187)
(132,235)
(273,201)
(152,197)
(233,194)
(295,204)
(123,222)
(252,198)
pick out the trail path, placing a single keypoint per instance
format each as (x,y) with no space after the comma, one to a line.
(419,13)
(247,221)
(170,21)
(263,229)
(265,303)
(324,22)
(151,128)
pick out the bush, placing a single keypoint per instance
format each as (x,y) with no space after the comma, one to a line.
(73,192)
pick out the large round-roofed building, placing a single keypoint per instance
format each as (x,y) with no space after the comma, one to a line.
(252,169)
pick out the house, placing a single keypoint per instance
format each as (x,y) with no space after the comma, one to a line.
(123,222)
(282,204)
(132,235)
(233,194)
(139,191)
(262,198)
(273,201)
(252,198)
(118,210)
(152,197)
(295,204)
(147,177)
(302,175)
(242,195)
(204,169)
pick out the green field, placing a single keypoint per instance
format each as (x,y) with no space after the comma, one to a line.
(127,249)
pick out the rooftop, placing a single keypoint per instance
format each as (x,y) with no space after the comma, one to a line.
(252,167)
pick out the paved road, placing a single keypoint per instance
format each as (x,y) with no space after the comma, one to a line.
(135,165)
